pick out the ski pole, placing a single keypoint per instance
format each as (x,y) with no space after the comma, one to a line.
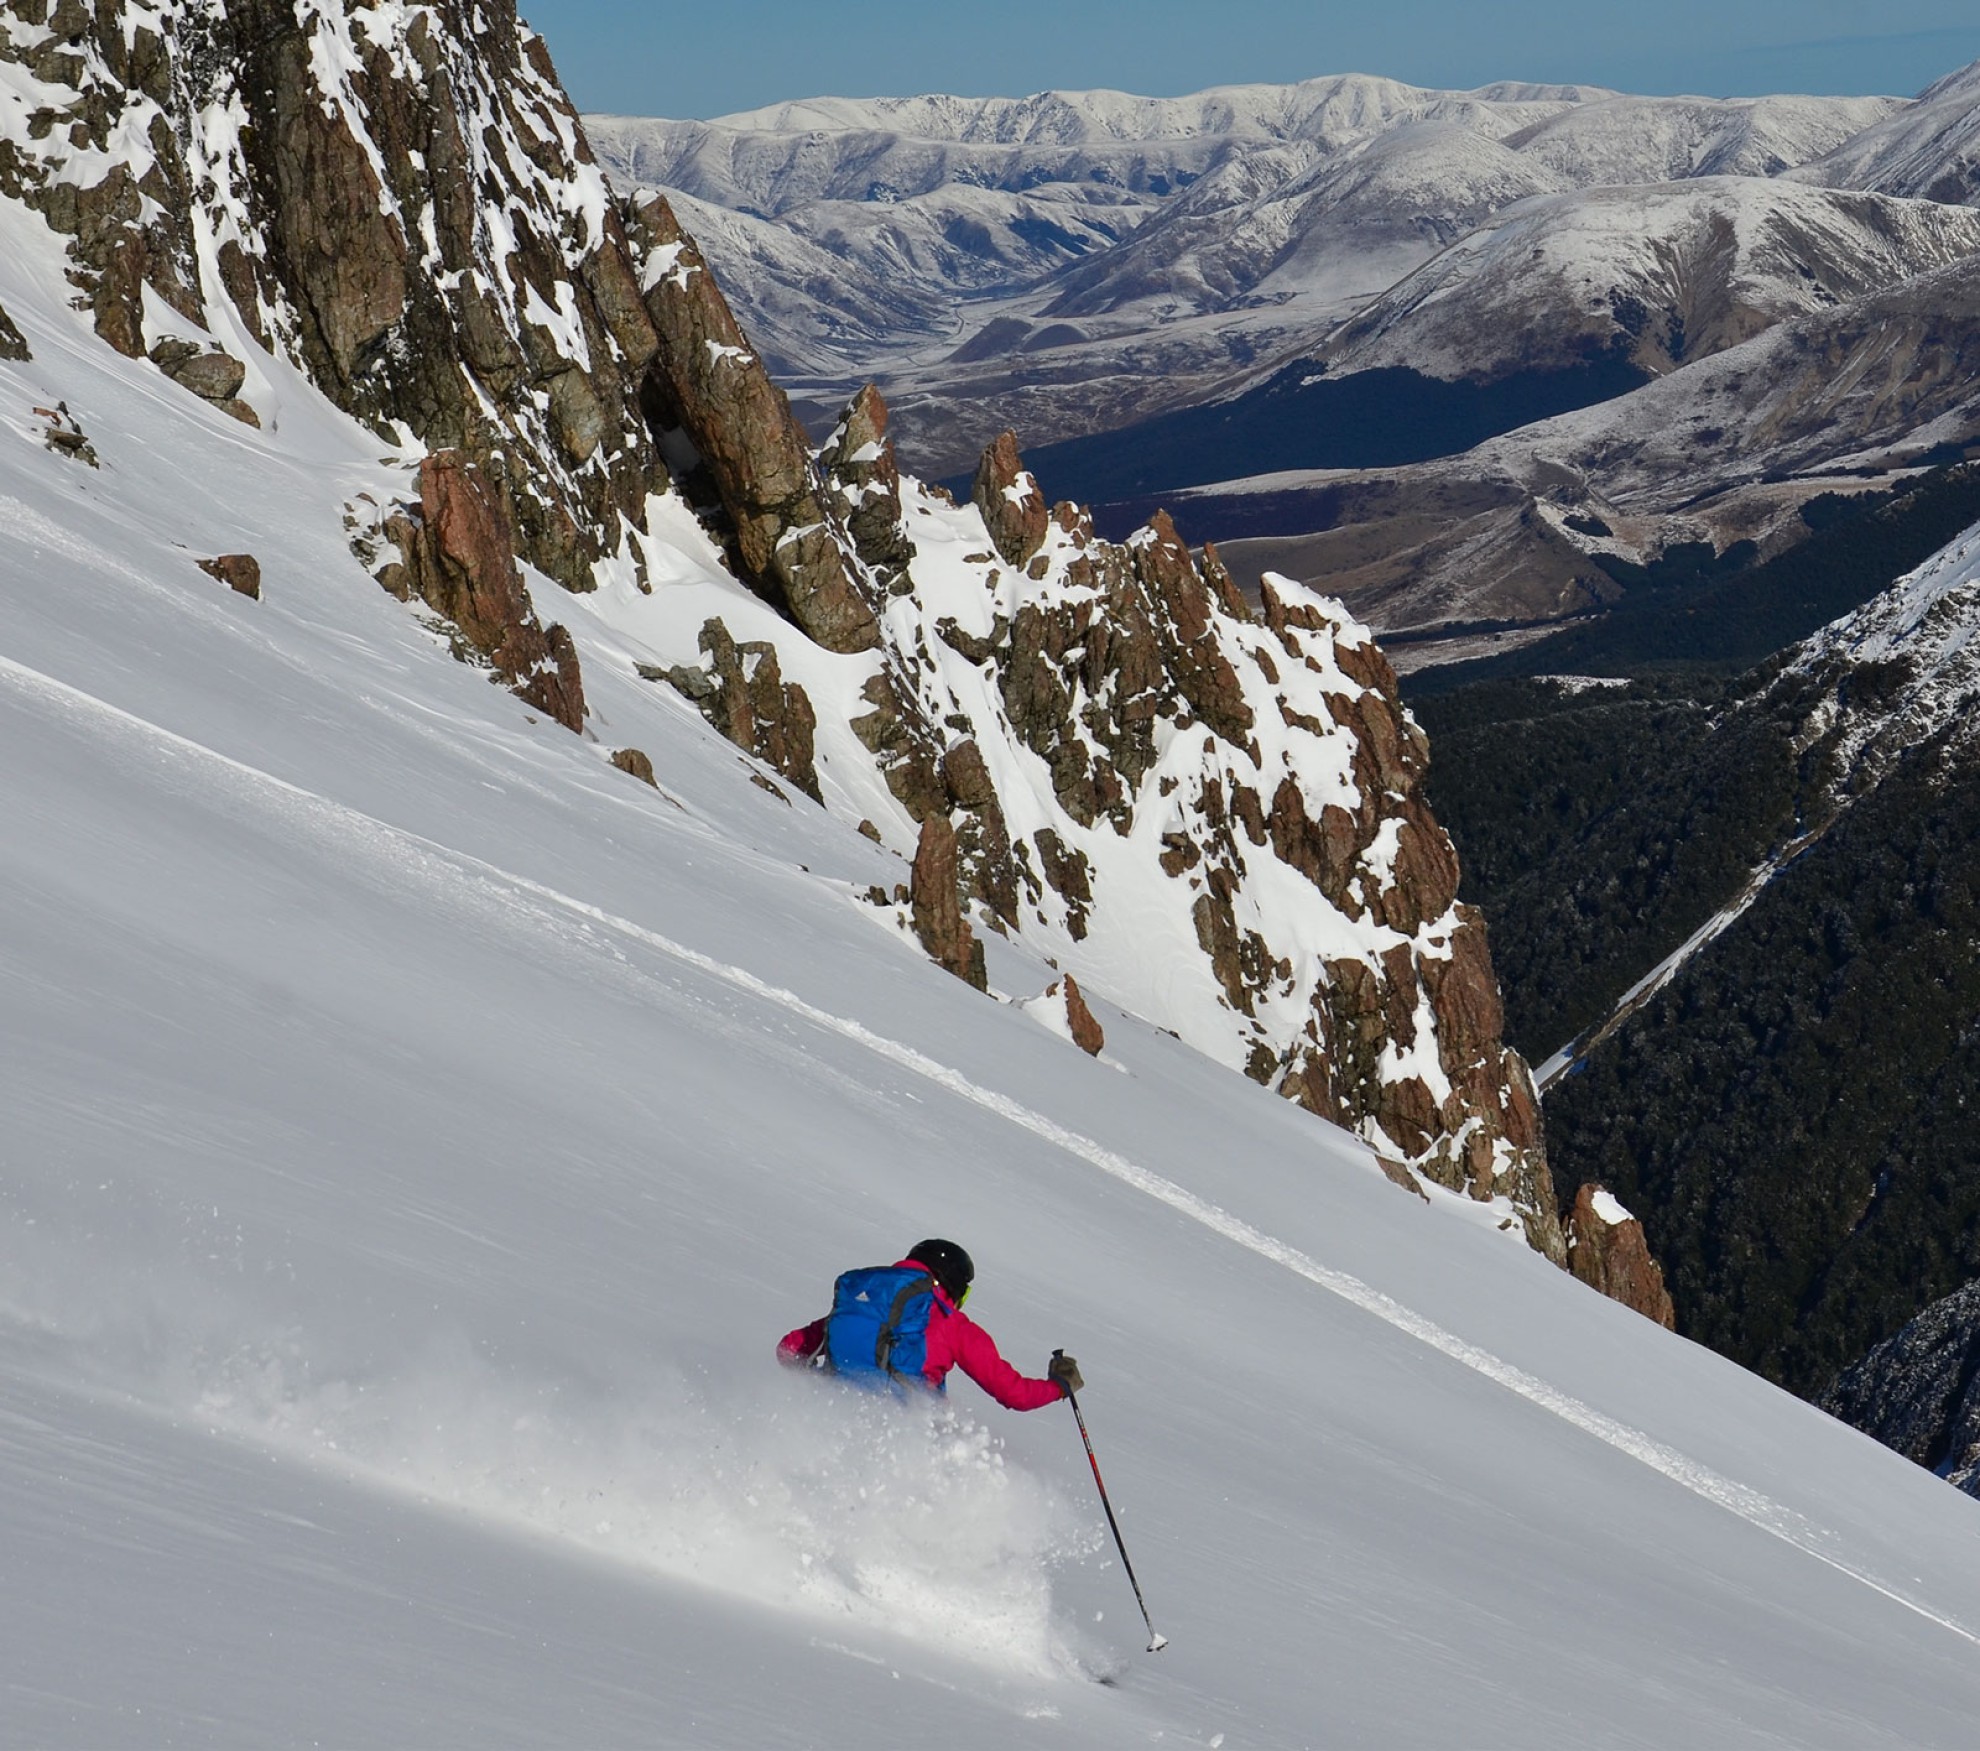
(1155,1642)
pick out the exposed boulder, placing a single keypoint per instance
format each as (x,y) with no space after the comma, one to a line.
(635,762)
(457,555)
(707,384)
(1079,1019)
(1607,1251)
(240,572)
(1919,1390)
(12,346)
(64,435)
(213,376)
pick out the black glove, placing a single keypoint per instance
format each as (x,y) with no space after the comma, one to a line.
(1066,1372)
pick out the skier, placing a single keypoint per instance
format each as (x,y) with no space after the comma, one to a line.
(893,1324)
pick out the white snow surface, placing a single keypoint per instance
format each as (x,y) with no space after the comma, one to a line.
(1931,147)
(1609,1208)
(418,1132)
(1733,254)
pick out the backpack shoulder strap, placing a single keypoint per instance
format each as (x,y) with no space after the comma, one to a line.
(890,1328)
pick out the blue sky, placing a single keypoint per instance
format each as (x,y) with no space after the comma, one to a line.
(652,57)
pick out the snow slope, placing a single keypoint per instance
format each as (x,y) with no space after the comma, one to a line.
(418,1132)
(1929,148)
(1672,272)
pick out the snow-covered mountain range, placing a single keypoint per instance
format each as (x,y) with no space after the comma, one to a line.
(429,1099)
(1362,274)
(1079,259)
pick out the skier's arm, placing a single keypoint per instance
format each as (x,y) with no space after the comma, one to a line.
(976,1355)
(803,1345)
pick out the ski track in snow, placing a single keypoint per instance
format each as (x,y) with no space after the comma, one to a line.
(506,891)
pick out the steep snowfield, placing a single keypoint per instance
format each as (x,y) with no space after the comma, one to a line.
(418,1132)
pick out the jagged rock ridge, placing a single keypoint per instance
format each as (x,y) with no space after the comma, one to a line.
(399,200)
(1213,816)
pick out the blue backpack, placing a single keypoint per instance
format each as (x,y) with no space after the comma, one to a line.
(877,1331)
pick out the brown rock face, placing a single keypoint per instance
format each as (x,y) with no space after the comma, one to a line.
(240,572)
(12,346)
(1085,1030)
(364,149)
(707,384)
(1013,508)
(1607,1251)
(1195,657)
(458,556)
(742,693)
(861,464)
(937,901)
(634,762)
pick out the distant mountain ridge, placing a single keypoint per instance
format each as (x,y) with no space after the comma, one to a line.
(1259,327)
(1181,239)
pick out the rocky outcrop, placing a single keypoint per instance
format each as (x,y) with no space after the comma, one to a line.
(859,461)
(12,346)
(457,555)
(742,692)
(937,902)
(399,199)
(64,435)
(1607,1251)
(240,572)
(1080,1022)
(636,764)
(1012,507)
(213,376)
(1919,1391)
(1191,652)
(1148,727)
(709,386)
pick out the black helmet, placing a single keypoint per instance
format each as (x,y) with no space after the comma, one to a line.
(948,1264)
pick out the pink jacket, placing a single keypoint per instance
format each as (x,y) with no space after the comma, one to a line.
(954,1341)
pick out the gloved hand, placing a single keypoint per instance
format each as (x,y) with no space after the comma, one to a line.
(1066,1372)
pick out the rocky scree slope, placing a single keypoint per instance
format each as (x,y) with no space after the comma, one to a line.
(1212,812)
